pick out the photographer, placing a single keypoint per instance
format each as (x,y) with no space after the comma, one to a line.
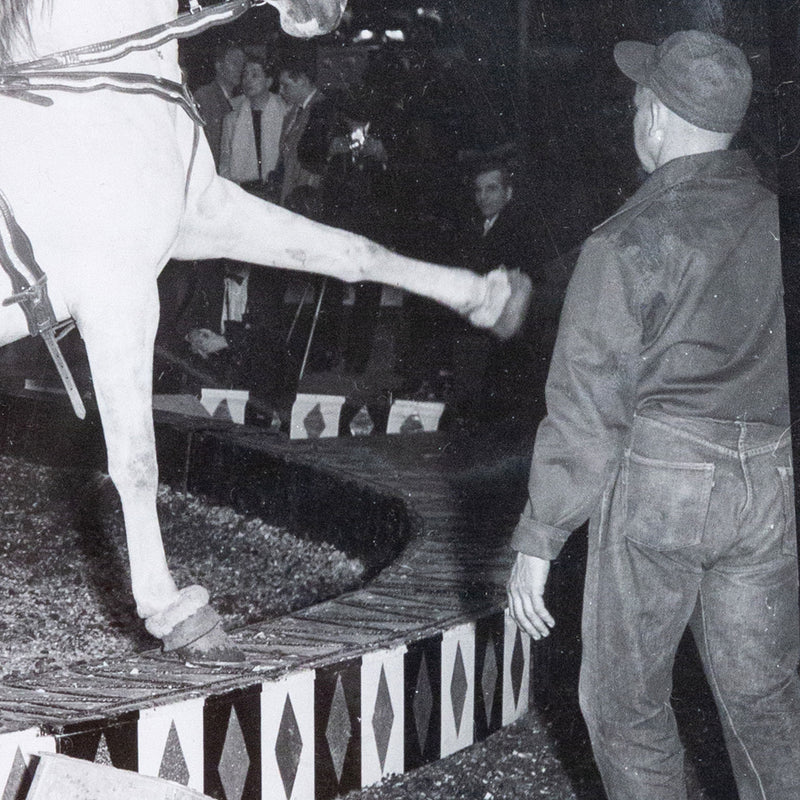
(353,195)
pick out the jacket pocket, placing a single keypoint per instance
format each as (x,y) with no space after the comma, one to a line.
(666,502)
(789,543)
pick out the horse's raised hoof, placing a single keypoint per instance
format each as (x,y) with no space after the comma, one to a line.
(515,311)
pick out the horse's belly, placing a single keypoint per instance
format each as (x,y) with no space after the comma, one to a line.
(97,182)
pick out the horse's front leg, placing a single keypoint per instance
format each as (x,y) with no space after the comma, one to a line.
(119,342)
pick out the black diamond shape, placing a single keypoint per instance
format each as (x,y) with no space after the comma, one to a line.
(382,718)
(489,678)
(362,423)
(339,731)
(423,703)
(234,761)
(458,688)
(517,667)
(412,424)
(173,764)
(19,778)
(222,411)
(314,422)
(288,747)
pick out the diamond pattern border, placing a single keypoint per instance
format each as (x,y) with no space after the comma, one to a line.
(337,729)
(489,632)
(382,714)
(423,717)
(285,749)
(232,745)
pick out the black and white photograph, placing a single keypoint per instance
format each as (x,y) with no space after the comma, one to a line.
(398,399)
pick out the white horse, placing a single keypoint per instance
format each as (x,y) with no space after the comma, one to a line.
(109,185)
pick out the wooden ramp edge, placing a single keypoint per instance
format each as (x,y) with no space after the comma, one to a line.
(419,664)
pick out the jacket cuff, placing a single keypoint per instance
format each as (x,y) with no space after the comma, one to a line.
(538,539)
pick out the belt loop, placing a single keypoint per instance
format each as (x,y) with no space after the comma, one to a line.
(745,469)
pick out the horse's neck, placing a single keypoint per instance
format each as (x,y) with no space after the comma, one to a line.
(58,25)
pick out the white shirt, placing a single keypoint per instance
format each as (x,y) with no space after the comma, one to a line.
(234,303)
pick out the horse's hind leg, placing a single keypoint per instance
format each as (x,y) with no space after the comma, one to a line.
(119,343)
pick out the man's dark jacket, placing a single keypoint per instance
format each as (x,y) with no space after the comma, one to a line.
(675,305)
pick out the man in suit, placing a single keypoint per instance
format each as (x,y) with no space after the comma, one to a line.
(482,378)
(305,139)
(508,376)
(298,89)
(215,99)
(500,234)
(232,327)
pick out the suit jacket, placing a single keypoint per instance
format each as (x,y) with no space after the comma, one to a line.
(512,241)
(238,159)
(213,105)
(296,170)
(254,358)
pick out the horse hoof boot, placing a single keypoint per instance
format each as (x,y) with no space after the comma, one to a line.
(515,311)
(201,639)
(214,648)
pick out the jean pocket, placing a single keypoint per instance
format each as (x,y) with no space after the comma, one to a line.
(666,502)
(789,542)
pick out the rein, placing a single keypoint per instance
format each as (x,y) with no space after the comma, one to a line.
(53,72)
(24,80)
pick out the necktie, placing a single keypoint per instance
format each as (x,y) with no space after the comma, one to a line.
(257,133)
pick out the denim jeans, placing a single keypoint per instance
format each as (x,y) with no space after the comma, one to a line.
(696,528)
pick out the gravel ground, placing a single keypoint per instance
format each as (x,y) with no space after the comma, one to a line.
(64,575)
(64,580)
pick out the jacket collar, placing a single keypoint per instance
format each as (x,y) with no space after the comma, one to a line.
(718,163)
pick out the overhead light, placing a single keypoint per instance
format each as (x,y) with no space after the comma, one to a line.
(395,35)
(430,13)
(364,35)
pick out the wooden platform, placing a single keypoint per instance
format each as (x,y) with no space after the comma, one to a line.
(420,663)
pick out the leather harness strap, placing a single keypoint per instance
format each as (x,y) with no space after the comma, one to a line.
(184,25)
(24,85)
(17,258)
(55,72)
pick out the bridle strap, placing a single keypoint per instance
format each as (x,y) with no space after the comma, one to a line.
(187,24)
(54,73)
(25,85)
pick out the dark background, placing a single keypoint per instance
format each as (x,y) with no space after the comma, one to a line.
(538,77)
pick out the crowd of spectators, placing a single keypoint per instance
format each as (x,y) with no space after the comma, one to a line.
(367,158)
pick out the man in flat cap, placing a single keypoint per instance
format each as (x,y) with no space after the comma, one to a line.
(668,428)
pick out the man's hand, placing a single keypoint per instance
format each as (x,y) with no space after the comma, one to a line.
(526,595)
(204,342)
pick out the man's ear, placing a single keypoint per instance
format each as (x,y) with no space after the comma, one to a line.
(657,116)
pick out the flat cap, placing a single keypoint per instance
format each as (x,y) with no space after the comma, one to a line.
(700,76)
